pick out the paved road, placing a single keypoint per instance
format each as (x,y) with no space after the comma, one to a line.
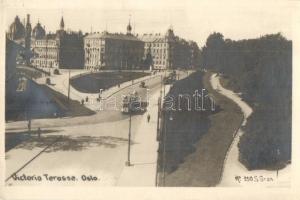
(90,145)
(106,115)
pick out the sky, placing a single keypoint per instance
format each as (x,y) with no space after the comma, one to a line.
(190,19)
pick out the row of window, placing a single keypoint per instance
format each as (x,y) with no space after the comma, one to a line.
(94,42)
(153,51)
(44,63)
(48,56)
(45,42)
(159,62)
(156,44)
(114,50)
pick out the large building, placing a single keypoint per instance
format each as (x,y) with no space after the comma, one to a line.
(95,51)
(169,51)
(20,33)
(59,50)
(113,51)
(16,30)
(63,49)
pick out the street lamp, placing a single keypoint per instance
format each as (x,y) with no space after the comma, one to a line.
(278,153)
(127,163)
(69,86)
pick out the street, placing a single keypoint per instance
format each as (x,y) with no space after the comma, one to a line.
(93,145)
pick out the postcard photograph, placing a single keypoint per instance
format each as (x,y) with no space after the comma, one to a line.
(148,94)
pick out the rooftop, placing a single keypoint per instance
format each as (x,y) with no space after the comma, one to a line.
(118,36)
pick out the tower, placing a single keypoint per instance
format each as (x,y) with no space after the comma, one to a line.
(62,24)
(28,39)
(28,32)
(129,28)
(61,32)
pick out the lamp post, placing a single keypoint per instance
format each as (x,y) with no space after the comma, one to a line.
(170,118)
(157,139)
(164,146)
(127,163)
(278,153)
(69,86)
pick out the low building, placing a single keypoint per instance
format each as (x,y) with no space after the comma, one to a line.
(113,51)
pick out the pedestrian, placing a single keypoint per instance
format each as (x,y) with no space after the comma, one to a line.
(86,98)
(148,118)
(39,132)
(82,101)
(29,125)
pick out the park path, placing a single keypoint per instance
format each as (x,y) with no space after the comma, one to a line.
(232,167)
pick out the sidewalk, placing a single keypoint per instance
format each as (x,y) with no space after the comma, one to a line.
(144,152)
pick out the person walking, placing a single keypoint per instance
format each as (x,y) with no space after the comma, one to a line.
(39,132)
(29,127)
(148,118)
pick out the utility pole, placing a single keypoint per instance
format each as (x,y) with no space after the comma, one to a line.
(164,145)
(129,134)
(278,153)
(164,87)
(158,139)
(69,86)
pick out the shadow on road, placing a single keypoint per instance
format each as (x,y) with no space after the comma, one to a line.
(12,139)
(69,143)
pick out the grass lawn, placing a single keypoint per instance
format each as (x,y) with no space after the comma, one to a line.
(92,83)
(202,164)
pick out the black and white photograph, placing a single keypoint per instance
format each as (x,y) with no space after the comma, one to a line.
(148,94)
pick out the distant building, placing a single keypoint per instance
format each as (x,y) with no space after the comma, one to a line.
(46,52)
(60,50)
(169,51)
(38,32)
(16,30)
(21,34)
(66,49)
(113,51)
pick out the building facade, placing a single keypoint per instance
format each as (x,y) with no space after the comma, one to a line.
(169,51)
(63,50)
(20,33)
(113,51)
(46,52)
(16,30)
(95,51)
